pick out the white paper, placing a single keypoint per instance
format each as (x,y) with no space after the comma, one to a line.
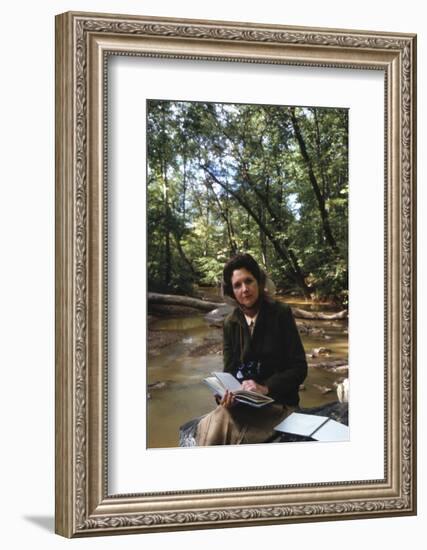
(332,431)
(320,428)
(228,381)
(301,424)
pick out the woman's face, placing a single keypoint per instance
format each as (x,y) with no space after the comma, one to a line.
(245,288)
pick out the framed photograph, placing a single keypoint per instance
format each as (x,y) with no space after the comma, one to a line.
(180,144)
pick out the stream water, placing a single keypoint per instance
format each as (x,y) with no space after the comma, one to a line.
(177,392)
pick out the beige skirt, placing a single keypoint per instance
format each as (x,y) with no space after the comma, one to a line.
(240,424)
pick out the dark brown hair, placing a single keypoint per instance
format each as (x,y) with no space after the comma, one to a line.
(241,261)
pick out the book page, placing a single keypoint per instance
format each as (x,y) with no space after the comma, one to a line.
(228,381)
(214,385)
(333,431)
(301,424)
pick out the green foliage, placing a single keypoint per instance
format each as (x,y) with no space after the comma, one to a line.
(271,180)
(211,270)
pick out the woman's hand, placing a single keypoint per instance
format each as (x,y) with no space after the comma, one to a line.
(228,400)
(251,385)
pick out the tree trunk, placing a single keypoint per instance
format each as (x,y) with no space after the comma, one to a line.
(166,210)
(263,238)
(224,215)
(319,153)
(184,257)
(320,198)
(283,252)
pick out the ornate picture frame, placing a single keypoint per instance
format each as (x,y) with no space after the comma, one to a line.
(84,42)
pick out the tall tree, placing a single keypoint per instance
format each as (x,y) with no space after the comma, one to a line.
(313,180)
(267,179)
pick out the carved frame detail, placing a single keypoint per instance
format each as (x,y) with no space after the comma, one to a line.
(83,506)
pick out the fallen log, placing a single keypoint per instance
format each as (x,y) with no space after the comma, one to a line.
(175,300)
(204,305)
(318,315)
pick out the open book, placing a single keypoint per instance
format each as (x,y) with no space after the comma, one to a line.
(320,428)
(222,381)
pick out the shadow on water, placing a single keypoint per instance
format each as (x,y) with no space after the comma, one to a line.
(177,392)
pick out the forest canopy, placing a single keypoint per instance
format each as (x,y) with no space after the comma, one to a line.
(265,179)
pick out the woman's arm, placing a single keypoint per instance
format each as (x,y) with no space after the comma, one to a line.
(284,384)
(227,343)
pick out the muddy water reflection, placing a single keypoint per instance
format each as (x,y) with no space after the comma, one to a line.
(181,394)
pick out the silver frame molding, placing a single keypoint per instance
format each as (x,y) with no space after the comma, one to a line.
(83,43)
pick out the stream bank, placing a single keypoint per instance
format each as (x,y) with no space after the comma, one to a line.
(183,349)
